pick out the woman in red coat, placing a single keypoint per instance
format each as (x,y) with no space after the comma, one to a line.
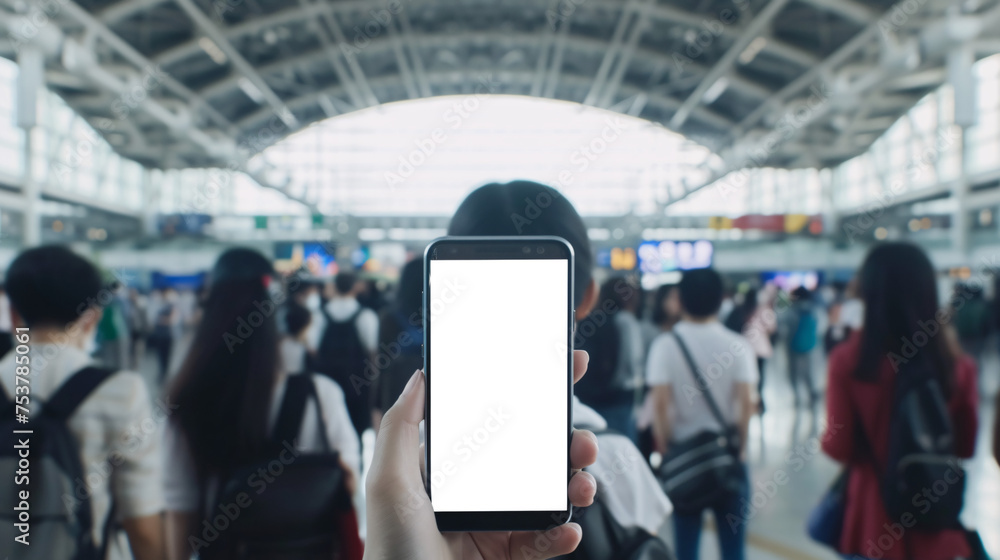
(902,323)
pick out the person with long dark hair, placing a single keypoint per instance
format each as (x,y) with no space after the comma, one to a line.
(228,394)
(401,336)
(756,323)
(899,290)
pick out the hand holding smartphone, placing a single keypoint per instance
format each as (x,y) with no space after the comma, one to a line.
(498,359)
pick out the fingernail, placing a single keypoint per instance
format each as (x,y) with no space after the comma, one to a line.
(576,527)
(411,382)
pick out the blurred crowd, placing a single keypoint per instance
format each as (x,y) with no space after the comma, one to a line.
(258,369)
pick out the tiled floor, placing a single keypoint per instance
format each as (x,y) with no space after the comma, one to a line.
(777,528)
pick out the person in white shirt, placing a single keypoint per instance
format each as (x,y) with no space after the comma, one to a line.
(728,363)
(229,392)
(54,293)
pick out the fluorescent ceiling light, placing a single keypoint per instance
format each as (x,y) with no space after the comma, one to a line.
(752,50)
(212,50)
(251,90)
(715,90)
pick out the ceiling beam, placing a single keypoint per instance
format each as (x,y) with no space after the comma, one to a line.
(352,89)
(418,65)
(657,12)
(563,41)
(558,52)
(126,9)
(523,77)
(129,53)
(409,82)
(209,28)
(624,59)
(610,53)
(352,62)
(755,28)
(850,9)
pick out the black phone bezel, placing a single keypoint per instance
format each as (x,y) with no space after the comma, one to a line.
(492,248)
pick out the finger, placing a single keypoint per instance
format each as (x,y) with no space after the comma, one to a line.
(554,542)
(583,449)
(397,451)
(582,489)
(580,360)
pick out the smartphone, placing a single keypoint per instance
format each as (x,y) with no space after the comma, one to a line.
(498,359)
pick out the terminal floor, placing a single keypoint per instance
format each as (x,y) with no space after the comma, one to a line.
(776,529)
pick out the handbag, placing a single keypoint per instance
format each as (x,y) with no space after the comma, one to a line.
(704,469)
(826,520)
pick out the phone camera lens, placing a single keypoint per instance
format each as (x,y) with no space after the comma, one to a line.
(540,250)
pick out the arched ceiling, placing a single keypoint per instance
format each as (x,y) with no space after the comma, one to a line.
(172,83)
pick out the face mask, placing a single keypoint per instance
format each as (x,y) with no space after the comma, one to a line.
(313,302)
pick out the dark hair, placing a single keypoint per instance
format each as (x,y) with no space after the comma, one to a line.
(742,313)
(701,292)
(52,286)
(345,282)
(526,208)
(225,386)
(899,288)
(801,293)
(662,293)
(410,288)
(297,318)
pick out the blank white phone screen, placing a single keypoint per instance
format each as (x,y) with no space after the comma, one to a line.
(499,381)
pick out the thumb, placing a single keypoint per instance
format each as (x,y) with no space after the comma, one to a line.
(397,448)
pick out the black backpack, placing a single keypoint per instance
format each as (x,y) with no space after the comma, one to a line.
(294,516)
(606,539)
(922,453)
(60,526)
(342,358)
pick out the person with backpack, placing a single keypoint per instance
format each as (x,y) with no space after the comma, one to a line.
(802,328)
(260,461)
(901,413)
(348,344)
(93,470)
(401,339)
(703,378)
(616,350)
